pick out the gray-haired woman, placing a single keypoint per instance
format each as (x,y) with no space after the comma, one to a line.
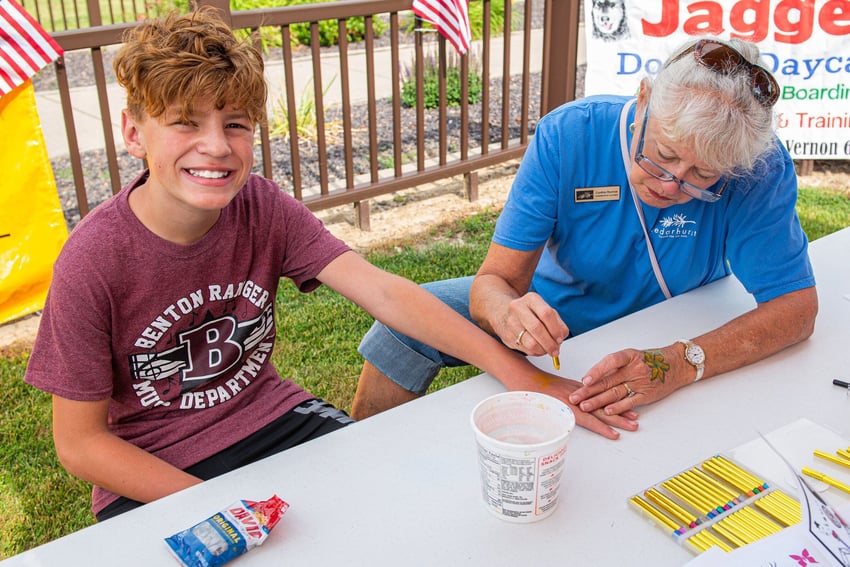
(619,203)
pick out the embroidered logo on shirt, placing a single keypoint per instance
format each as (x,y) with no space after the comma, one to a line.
(676,226)
(594,194)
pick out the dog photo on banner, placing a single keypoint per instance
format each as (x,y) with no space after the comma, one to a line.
(608,19)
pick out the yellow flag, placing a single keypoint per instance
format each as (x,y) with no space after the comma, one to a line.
(32,226)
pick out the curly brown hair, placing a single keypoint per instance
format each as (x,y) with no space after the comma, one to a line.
(186,59)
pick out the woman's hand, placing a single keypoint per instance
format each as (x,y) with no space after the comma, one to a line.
(501,303)
(532,326)
(626,379)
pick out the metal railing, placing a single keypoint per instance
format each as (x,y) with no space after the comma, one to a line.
(58,15)
(361,161)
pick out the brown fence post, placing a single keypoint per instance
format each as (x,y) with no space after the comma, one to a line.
(470,186)
(95,17)
(362,217)
(560,53)
(805,166)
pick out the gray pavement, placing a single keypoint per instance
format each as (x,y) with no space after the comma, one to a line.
(87,122)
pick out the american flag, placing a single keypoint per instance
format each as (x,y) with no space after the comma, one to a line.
(450,17)
(24,46)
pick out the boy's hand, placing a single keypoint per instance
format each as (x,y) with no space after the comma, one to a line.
(597,420)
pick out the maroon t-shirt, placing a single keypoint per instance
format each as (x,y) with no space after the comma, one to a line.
(178,337)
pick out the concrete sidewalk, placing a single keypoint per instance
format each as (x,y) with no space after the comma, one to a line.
(87,114)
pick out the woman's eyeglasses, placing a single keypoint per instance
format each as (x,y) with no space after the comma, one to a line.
(723,59)
(658,172)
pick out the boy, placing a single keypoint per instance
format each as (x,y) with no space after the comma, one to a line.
(157,330)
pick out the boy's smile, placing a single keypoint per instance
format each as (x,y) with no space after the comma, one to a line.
(197,165)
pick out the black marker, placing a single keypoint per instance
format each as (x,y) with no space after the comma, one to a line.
(841,383)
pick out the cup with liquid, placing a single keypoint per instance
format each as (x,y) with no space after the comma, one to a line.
(522,442)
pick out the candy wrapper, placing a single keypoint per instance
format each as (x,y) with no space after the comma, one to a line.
(228,534)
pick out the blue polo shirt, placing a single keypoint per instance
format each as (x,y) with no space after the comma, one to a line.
(571,193)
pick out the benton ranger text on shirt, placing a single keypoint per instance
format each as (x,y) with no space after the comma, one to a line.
(191,364)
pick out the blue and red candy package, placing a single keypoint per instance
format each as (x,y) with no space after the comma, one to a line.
(227,534)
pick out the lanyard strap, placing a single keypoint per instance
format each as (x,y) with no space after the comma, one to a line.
(627,163)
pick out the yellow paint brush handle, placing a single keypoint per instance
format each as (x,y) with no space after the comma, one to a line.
(827,479)
(832,458)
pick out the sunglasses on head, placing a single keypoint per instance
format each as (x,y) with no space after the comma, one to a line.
(721,58)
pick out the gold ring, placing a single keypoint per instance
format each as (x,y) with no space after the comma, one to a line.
(629,391)
(519,337)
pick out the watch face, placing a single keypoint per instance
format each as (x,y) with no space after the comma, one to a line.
(694,354)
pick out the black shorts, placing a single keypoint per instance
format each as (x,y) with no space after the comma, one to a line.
(304,422)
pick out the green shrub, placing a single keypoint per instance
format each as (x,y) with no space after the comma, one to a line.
(159,8)
(431,83)
(476,18)
(328,33)
(305,115)
(300,33)
(329,30)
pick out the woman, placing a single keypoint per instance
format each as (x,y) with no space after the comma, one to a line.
(618,204)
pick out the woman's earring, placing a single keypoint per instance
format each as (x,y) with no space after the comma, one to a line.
(632,128)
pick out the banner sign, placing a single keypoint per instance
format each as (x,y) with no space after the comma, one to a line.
(804,43)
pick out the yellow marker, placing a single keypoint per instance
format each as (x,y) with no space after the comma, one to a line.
(761,520)
(724,530)
(731,472)
(782,497)
(731,496)
(741,484)
(556,362)
(699,543)
(755,480)
(832,458)
(709,537)
(827,479)
(753,523)
(656,514)
(778,509)
(741,528)
(675,510)
(787,503)
(681,490)
(717,498)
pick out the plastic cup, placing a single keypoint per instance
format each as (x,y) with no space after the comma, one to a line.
(522,442)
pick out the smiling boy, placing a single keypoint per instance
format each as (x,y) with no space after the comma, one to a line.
(156,336)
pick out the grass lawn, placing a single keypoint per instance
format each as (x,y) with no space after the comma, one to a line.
(39,501)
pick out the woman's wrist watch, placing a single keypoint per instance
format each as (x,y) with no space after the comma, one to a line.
(695,356)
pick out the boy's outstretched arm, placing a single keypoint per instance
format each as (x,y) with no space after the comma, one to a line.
(406,307)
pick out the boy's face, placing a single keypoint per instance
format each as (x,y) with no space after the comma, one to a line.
(198,165)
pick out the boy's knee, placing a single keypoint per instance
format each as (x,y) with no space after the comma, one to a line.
(377,393)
